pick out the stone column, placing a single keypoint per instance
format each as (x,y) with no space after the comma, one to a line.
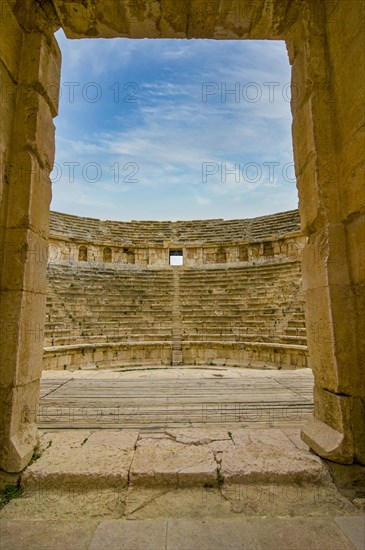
(31,67)
(337,431)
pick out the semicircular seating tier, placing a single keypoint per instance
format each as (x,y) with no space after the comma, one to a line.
(113,298)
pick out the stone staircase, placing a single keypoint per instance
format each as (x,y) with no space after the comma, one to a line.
(171,316)
(262,303)
(90,304)
(177,357)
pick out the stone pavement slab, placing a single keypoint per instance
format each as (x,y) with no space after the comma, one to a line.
(44,535)
(299,534)
(160,461)
(237,532)
(354,527)
(98,459)
(131,535)
(269,455)
(67,502)
(210,534)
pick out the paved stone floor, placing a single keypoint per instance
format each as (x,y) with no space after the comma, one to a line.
(193,459)
(338,533)
(156,398)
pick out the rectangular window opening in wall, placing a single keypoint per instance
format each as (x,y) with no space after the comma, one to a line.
(176,257)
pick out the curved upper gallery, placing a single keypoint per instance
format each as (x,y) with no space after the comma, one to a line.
(184,232)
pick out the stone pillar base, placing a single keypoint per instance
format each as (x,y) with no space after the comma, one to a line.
(328,442)
(20,448)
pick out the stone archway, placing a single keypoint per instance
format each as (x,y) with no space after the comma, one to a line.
(325,41)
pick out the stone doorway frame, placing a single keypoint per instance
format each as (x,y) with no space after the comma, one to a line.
(326,47)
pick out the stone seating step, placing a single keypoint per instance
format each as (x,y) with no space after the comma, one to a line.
(105,304)
(297,323)
(252,338)
(96,340)
(287,338)
(176,457)
(296,330)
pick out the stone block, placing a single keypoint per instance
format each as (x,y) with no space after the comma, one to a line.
(97,460)
(358,427)
(355,233)
(8,90)
(294,435)
(299,533)
(11,36)
(24,257)
(173,25)
(300,84)
(19,436)
(339,412)
(327,442)
(269,456)
(41,68)
(45,534)
(75,18)
(167,462)
(121,533)
(29,193)
(324,260)
(33,127)
(311,216)
(349,97)
(209,534)
(331,334)
(303,139)
(352,176)
(22,336)
(354,528)
(332,409)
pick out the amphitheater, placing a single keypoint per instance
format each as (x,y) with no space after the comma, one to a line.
(107,314)
(113,298)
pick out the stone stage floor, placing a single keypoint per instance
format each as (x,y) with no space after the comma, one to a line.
(180,465)
(153,399)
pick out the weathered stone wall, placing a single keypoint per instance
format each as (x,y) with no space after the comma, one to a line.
(325,42)
(346,42)
(326,49)
(102,315)
(275,237)
(194,255)
(30,72)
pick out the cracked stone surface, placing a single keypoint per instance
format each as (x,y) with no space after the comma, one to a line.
(186,457)
(98,459)
(174,458)
(269,455)
(280,499)
(198,437)
(186,473)
(67,501)
(159,461)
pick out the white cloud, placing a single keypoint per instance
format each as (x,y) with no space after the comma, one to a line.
(171,132)
(202,200)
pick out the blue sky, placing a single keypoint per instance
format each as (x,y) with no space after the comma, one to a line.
(148,129)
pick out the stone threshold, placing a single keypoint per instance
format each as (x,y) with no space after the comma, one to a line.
(189,457)
(186,488)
